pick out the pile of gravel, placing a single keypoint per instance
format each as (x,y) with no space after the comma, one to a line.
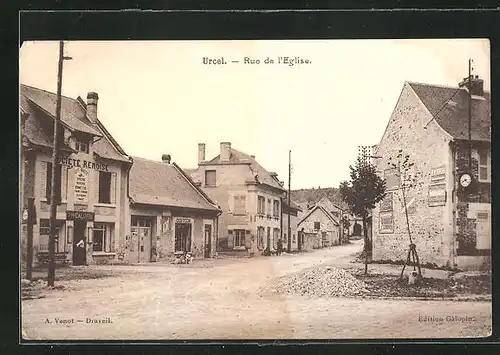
(326,281)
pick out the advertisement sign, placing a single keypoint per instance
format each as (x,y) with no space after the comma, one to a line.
(438,174)
(437,195)
(79,216)
(387,203)
(386,222)
(81,186)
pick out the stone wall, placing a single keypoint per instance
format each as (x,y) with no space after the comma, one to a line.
(431,226)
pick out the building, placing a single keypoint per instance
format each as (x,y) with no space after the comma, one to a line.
(293,210)
(249,196)
(450,226)
(168,213)
(91,173)
(321,222)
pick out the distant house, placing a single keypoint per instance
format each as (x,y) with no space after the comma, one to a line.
(168,213)
(249,196)
(450,224)
(293,210)
(319,221)
(91,176)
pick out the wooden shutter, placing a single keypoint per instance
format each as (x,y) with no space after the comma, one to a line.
(64,184)
(43,179)
(112,194)
(230,239)
(483,230)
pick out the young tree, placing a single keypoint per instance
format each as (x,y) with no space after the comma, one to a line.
(408,181)
(361,194)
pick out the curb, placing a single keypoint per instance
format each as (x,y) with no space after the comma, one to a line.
(477,298)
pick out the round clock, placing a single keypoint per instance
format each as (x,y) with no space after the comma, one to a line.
(465,180)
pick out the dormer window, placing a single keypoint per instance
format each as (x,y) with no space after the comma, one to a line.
(82,145)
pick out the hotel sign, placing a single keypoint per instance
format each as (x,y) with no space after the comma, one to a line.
(386,220)
(183,221)
(437,195)
(79,216)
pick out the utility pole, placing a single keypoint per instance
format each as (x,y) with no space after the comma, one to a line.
(289,205)
(54,195)
(29,224)
(470,114)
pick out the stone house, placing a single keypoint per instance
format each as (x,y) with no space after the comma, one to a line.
(249,196)
(321,222)
(168,213)
(91,174)
(450,225)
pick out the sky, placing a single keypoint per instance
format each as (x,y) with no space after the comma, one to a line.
(157,97)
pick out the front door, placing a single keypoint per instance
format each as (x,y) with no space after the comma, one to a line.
(208,241)
(183,237)
(79,243)
(140,248)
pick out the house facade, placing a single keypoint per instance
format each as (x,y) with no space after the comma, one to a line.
(450,225)
(293,210)
(249,196)
(320,221)
(91,173)
(167,213)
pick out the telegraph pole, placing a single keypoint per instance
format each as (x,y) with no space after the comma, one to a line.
(289,206)
(470,114)
(55,179)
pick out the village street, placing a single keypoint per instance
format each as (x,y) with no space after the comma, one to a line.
(220,299)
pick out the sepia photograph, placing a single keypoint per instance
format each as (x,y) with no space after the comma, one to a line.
(255,189)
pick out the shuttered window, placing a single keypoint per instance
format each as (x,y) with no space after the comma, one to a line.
(261,207)
(484,165)
(210,178)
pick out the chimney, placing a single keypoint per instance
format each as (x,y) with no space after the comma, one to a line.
(165,158)
(476,87)
(225,151)
(252,156)
(92,99)
(201,152)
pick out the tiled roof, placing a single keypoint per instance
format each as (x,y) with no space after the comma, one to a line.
(292,204)
(162,184)
(454,117)
(328,214)
(41,104)
(237,157)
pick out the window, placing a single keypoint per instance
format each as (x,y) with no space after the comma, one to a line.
(260,237)
(239,205)
(276,208)
(45,226)
(293,238)
(99,239)
(317,226)
(82,145)
(48,181)
(210,178)
(239,238)
(269,207)
(261,206)
(484,165)
(106,187)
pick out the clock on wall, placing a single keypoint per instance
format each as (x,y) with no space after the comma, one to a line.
(465,180)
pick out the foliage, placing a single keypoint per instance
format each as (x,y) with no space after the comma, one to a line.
(364,190)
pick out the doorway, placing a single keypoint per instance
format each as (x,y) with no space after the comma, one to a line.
(182,237)
(79,243)
(140,249)
(208,240)
(269,238)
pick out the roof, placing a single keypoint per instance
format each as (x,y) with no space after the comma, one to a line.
(162,184)
(293,205)
(40,105)
(454,117)
(237,157)
(328,204)
(323,210)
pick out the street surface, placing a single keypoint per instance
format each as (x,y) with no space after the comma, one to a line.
(220,299)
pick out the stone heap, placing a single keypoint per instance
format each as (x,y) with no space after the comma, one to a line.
(324,281)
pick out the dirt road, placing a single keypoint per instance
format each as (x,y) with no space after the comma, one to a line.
(221,301)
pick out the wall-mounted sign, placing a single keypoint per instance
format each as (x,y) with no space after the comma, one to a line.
(438,174)
(386,220)
(78,163)
(437,195)
(81,186)
(79,216)
(183,221)
(387,202)
(392,179)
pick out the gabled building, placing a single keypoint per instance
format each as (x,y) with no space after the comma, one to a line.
(91,174)
(450,224)
(296,242)
(323,224)
(168,213)
(249,196)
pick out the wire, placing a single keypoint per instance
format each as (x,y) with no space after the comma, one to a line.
(441,109)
